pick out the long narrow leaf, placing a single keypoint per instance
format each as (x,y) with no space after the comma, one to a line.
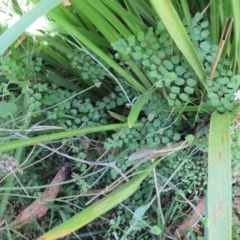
(215,18)
(137,108)
(4,147)
(11,34)
(219,194)
(98,208)
(178,33)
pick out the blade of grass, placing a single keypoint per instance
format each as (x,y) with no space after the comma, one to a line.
(219,194)
(118,116)
(133,23)
(11,34)
(54,78)
(178,9)
(215,20)
(173,24)
(85,41)
(55,27)
(66,13)
(145,15)
(186,10)
(4,147)
(111,28)
(131,8)
(98,208)
(137,107)
(110,17)
(235,48)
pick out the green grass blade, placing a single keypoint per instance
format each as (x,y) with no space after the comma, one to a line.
(134,24)
(178,33)
(4,147)
(54,78)
(111,17)
(118,116)
(186,10)
(98,52)
(215,18)
(111,27)
(137,108)
(55,27)
(235,48)
(145,11)
(219,194)
(132,9)
(98,208)
(11,34)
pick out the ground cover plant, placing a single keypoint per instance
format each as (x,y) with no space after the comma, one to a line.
(133,106)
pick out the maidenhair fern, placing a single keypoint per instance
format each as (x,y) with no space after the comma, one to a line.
(155,53)
(89,69)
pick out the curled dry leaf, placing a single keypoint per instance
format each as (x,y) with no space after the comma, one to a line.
(37,209)
(191,221)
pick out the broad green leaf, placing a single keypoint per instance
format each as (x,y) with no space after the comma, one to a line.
(98,208)
(178,33)
(118,116)
(137,107)
(11,34)
(7,108)
(219,192)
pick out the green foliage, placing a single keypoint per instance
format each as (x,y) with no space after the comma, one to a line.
(88,67)
(157,56)
(80,182)
(22,69)
(154,52)
(221,93)
(192,177)
(7,108)
(161,128)
(156,230)
(190,138)
(236,142)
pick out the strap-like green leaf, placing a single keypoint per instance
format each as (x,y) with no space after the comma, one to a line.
(219,194)
(98,208)
(178,33)
(11,34)
(117,116)
(137,108)
(4,147)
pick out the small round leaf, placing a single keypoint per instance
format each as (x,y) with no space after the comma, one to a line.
(191,82)
(188,90)
(137,55)
(180,70)
(184,97)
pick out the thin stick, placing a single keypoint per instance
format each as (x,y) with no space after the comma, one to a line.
(111,164)
(116,181)
(151,154)
(223,38)
(158,195)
